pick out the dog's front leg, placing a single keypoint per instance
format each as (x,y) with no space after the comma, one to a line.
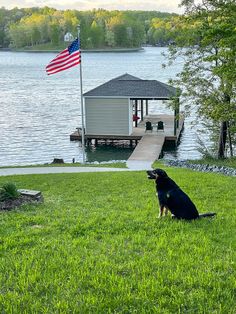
(161,211)
(166,210)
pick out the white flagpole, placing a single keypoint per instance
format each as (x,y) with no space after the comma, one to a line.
(81,100)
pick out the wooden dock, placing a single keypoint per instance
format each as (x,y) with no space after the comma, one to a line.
(147,151)
(149,143)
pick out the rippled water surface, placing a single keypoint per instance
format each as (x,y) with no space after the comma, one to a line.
(39,112)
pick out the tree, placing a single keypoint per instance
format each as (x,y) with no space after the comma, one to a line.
(207,41)
(32,26)
(97,35)
(117,25)
(55,33)
(110,38)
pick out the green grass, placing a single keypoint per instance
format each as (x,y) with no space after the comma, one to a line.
(96,246)
(45,47)
(99,165)
(63,45)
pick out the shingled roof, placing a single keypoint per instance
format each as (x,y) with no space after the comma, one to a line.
(133,87)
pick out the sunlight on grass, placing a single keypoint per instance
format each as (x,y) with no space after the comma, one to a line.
(96,246)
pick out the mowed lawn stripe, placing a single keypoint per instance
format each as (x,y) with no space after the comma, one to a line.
(96,246)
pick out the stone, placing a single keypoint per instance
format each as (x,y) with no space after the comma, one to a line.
(34,195)
(58,161)
(31,193)
(26,197)
(203,168)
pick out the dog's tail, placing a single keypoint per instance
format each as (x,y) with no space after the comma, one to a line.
(207,215)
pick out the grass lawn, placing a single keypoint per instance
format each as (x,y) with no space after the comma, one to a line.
(96,246)
(99,165)
(46,47)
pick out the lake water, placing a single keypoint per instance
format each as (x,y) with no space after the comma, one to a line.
(39,112)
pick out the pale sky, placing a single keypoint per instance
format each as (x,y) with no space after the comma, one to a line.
(157,5)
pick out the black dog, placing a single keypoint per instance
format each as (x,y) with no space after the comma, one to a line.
(172,198)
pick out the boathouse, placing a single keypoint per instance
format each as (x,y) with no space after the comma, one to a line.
(111,107)
(118,110)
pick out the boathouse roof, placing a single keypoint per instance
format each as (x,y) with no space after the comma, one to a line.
(130,86)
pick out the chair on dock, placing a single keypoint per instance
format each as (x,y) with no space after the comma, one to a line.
(149,126)
(160,126)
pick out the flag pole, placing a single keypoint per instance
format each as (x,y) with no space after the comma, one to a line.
(81,100)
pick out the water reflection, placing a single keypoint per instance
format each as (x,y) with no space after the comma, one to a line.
(103,152)
(38,113)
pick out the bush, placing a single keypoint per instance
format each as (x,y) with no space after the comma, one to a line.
(8,191)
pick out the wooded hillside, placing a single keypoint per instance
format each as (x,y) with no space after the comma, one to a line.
(99,28)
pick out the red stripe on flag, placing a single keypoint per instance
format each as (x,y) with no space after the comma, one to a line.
(64,68)
(64,60)
(57,61)
(64,65)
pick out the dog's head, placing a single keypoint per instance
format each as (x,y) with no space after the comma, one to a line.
(157,173)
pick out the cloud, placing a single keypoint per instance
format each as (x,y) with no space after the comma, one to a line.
(157,5)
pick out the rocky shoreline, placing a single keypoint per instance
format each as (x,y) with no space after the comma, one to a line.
(202,167)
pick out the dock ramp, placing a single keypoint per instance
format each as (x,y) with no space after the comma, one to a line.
(146,152)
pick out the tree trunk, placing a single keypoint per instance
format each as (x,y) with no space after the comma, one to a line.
(222,140)
(230,141)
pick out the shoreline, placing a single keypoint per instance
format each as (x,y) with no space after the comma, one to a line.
(225,170)
(82,50)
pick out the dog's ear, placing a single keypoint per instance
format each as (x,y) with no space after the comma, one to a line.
(161,173)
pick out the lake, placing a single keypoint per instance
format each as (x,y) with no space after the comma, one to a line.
(39,112)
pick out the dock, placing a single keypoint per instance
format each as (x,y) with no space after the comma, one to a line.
(149,144)
(146,152)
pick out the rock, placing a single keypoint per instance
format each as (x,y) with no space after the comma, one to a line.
(58,161)
(34,195)
(203,168)
(24,198)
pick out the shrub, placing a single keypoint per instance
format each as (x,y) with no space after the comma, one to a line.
(8,191)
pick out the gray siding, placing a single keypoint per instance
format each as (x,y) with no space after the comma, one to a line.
(107,116)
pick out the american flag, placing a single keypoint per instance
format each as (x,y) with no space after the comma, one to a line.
(66,59)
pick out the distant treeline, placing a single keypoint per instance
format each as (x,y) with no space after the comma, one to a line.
(100,28)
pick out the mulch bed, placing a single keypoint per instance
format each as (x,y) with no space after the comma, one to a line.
(21,200)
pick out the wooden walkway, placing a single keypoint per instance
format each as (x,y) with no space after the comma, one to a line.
(147,151)
(148,148)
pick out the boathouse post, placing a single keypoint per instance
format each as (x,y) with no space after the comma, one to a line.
(146,107)
(136,112)
(141,109)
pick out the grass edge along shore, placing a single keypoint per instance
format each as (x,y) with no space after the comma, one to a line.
(229,162)
(57,50)
(96,246)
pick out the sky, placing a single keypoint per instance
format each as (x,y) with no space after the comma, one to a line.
(157,5)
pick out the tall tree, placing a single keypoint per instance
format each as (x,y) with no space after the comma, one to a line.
(207,42)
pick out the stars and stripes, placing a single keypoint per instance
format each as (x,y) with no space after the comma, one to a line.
(66,59)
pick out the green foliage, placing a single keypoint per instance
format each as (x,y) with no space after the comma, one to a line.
(55,33)
(206,41)
(33,26)
(8,191)
(97,246)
